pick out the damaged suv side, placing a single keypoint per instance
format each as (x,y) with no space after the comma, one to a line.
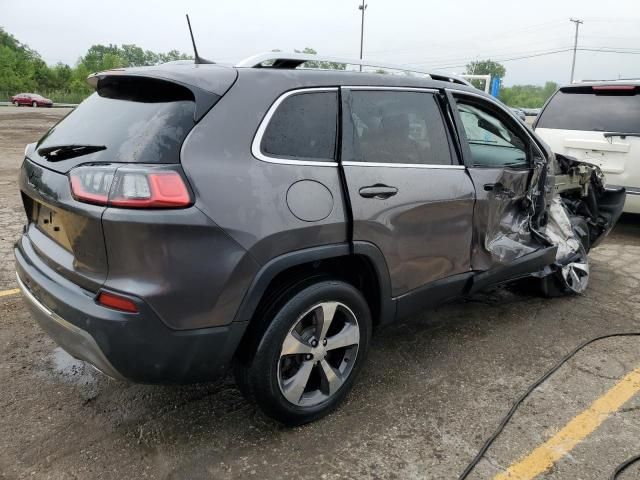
(186,219)
(551,201)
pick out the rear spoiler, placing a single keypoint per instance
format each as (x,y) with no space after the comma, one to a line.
(206,82)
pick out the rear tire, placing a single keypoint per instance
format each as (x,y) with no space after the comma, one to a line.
(309,352)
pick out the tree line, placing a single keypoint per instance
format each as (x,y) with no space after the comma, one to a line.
(23,70)
(524,96)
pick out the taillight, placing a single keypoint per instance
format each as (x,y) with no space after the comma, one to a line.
(117,302)
(130,186)
(613,88)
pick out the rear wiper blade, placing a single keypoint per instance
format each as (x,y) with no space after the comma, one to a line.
(63,152)
(620,134)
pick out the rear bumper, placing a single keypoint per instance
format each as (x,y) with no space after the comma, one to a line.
(632,203)
(74,340)
(137,347)
(632,200)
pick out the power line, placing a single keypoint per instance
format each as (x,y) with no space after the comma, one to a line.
(500,35)
(542,54)
(500,60)
(493,56)
(603,50)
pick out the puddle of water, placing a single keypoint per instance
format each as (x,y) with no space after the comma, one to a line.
(71,370)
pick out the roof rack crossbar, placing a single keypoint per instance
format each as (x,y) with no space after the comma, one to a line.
(294,60)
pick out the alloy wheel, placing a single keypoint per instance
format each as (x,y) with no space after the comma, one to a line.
(318,354)
(576,274)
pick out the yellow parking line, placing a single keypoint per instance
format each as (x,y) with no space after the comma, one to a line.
(6,293)
(543,457)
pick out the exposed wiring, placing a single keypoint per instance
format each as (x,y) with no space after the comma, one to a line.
(505,420)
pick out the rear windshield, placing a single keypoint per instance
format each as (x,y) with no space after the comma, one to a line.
(137,120)
(587,110)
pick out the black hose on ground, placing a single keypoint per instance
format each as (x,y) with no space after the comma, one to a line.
(505,420)
(623,466)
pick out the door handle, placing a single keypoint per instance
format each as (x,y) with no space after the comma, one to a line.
(378,191)
(498,189)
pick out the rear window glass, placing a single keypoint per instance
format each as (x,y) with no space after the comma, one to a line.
(137,120)
(303,127)
(395,127)
(587,110)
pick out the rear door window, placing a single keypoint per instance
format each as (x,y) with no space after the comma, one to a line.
(395,127)
(593,111)
(303,126)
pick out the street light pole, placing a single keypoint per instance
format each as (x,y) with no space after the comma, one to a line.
(362,7)
(575,46)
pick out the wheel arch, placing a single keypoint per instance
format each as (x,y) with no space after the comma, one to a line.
(361,264)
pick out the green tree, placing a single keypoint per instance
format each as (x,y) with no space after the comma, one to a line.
(18,65)
(320,65)
(102,57)
(527,96)
(134,56)
(22,69)
(485,67)
(171,56)
(63,75)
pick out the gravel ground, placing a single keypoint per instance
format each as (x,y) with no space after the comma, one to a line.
(433,389)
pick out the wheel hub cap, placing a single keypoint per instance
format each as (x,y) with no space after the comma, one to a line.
(318,354)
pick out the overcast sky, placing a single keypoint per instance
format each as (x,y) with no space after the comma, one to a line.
(425,34)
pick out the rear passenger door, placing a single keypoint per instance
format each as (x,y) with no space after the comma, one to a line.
(409,195)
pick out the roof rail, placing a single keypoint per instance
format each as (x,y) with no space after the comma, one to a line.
(293,60)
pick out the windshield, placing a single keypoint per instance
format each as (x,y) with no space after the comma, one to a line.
(135,120)
(586,110)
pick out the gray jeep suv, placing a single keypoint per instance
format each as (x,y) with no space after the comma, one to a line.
(185,219)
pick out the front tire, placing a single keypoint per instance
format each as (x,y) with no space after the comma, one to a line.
(16,103)
(570,279)
(34,104)
(310,352)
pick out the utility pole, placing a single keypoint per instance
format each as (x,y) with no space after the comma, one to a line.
(575,46)
(362,7)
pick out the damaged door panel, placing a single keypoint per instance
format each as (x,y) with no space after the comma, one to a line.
(501,225)
(580,211)
(500,164)
(530,204)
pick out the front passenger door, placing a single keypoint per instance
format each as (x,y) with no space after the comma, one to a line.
(499,158)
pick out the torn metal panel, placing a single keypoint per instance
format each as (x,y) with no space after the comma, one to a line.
(560,202)
(559,230)
(580,212)
(502,217)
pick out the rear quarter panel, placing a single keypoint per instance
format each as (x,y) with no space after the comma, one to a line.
(245,196)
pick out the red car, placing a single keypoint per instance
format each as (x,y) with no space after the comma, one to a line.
(32,99)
